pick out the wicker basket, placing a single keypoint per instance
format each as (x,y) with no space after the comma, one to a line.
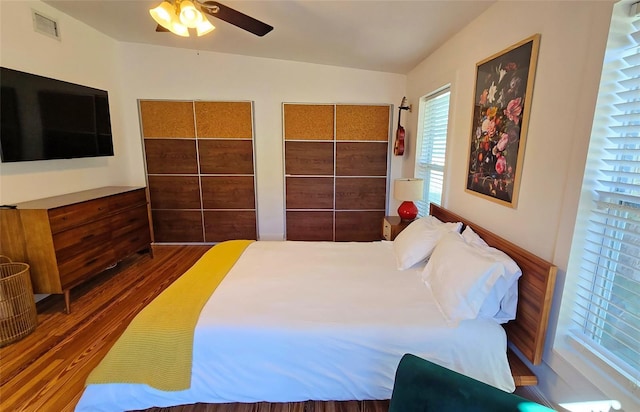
(18,316)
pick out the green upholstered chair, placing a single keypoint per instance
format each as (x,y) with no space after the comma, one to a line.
(421,385)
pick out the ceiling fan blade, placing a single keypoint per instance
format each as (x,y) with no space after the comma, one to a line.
(159,28)
(236,18)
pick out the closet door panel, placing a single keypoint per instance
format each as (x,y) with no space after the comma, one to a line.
(171,156)
(167,119)
(227,225)
(362,122)
(359,226)
(230,120)
(174,192)
(361,193)
(309,158)
(309,192)
(226,156)
(177,225)
(317,226)
(361,159)
(200,165)
(228,192)
(335,188)
(308,121)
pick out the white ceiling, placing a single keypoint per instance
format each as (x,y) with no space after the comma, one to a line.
(389,36)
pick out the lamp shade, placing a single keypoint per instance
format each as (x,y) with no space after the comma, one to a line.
(408,190)
(163,14)
(204,27)
(189,15)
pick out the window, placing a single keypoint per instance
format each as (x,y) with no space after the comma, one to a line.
(602,315)
(432,144)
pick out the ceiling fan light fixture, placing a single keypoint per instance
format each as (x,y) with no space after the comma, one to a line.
(189,15)
(163,14)
(204,27)
(179,28)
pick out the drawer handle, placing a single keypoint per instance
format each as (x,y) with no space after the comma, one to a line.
(92,261)
(87,237)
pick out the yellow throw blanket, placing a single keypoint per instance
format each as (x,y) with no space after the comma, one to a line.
(157,347)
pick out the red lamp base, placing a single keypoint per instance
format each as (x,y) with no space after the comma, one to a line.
(408,210)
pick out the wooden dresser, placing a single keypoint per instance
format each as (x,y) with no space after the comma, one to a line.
(68,239)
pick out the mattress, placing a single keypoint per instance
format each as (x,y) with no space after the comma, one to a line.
(295,321)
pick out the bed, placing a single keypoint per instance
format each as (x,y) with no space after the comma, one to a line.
(296,321)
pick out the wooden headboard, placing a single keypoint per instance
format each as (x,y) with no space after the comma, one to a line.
(535,289)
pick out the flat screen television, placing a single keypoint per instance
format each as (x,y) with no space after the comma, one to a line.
(43,118)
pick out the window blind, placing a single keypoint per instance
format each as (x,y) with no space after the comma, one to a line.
(606,314)
(431,150)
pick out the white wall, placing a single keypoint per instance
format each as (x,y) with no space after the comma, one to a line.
(133,71)
(83,56)
(151,72)
(573,40)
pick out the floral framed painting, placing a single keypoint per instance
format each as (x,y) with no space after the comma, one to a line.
(501,106)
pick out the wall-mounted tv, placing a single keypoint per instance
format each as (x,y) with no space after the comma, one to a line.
(43,118)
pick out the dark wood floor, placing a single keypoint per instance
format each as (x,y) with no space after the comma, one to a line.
(46,370)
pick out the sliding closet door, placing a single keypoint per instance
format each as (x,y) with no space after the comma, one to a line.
(335,171)
(200,170)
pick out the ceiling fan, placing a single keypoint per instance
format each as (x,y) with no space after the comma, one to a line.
(178,16)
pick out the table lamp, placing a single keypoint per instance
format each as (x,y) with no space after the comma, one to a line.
(408,190)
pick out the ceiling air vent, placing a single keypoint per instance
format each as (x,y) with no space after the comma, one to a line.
(45,25)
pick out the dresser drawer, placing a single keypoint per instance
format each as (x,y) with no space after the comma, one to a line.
(127,200)
(130,231)
(69,243)
(130,220)
(131,242)
(85,264)
(66,217)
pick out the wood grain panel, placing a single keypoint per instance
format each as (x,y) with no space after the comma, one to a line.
(62,218)
(309,192)
(167,119)
(228,192)
(358,226)
(127,200)
(308,121)
(308,158)
(225,156)
(227,225)
(68,242)
(226,120)
(361,193)
(177,225)
(361,159)
(174,192)
(131,231)
(85,264)
(362,122)
(171,156)
(309,225)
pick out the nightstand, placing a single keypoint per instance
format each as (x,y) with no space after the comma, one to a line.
(392,225)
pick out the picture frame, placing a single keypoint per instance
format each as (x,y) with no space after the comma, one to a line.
(501,107)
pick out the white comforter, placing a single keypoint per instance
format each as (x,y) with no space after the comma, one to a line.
(294,321)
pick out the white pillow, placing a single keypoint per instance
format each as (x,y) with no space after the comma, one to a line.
(416,242)
(461,276)
(472,237)
(501,304)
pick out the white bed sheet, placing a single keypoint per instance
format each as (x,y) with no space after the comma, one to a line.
(294,321)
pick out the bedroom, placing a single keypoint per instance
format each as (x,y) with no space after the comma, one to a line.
(570,32)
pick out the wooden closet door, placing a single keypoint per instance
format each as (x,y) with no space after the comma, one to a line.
(200,170)
(336,166)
